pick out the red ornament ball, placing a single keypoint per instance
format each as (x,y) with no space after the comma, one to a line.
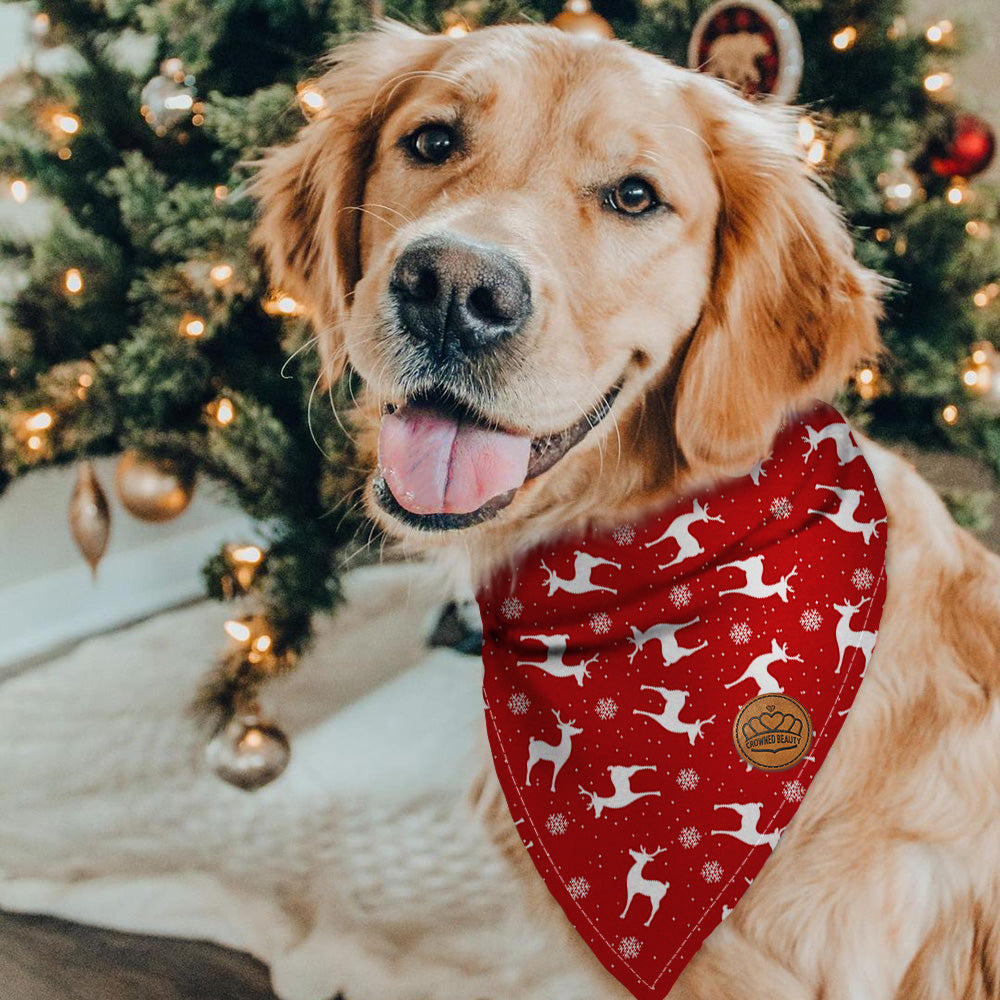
(968,150)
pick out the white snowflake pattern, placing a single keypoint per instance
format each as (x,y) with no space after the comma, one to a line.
(519,703)
(689,837)
(557,824)
(862,578)
(711,871)
(688,779)
(511,608)
(793,790)
(578,887)
(624,535)
(607,708)
(781,507)
(629,947)
(600,623)
(680,595)
(741,633)
(810,619)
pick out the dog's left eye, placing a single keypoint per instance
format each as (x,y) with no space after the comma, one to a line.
(632,196)
(432,143)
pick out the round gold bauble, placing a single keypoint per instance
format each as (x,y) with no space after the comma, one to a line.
(152,489)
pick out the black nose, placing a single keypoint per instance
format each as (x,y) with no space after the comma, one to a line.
(459,295)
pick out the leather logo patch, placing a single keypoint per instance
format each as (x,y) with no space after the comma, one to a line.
(772,732)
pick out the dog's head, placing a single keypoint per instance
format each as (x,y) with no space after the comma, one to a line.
(566,270)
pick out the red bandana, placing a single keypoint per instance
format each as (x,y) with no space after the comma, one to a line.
(616,667)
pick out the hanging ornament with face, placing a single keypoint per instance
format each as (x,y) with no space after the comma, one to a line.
(89,515)
(753,44)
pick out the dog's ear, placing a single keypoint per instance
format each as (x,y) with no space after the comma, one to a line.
(790,310)
(308,192)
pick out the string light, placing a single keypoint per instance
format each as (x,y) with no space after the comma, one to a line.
(940,33)
(86,380)
(845,38)
(956,192)
(66,121)
(249,555)
(221,273)
(986,295)
(282,304)
(73,281)
(866,383)
(978,372)
(225,412)
(237,630)
(883,235)
(192,326)
(40,421)
(35,442)
(979,356)
(312,100)
(977,228)
(64,153)
(937,83)
(221,192)
(807,131)
(816,153)
(19,190)
(950,414)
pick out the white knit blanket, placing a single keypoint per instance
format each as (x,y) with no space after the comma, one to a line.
(361,869)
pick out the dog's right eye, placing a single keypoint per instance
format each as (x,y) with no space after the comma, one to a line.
(432,143)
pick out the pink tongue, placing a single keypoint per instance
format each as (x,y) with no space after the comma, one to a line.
(435,463)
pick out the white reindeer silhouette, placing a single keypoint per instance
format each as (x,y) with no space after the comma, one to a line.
(847,638)
(555,663)
(757,472)
(758,669)
(583,565)
(556,753)
(621,783)
(753,569)
(666,635)
(638,885)
(843,517)
(673,702)
(749,818)
(679,530)
(840,434)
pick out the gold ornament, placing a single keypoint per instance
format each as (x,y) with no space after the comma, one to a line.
(152,490)
(578,18)
(249,752)
(89,515)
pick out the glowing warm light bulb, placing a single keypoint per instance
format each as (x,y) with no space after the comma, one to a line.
(311,99)
(225,411)
(955,194)
(73,281)
(866,376)
(940,32)
(807,131)
(66,122)
(262,643)
(456,30)
(845,38)
(192,326)
(970,377)
(979,356)
(883,235)
(253,738)
(239,631)
(86,380)
(816,153)
(40,421)
(934,83)
(64,153)
(221,192)
(221,273)
(19,191)
(950,414)
(249,554)
(35,442)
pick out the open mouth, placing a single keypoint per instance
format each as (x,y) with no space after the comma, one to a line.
(442,466)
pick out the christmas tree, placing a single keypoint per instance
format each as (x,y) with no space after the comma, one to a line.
(143,321)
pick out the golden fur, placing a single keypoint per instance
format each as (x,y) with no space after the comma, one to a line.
(721,317)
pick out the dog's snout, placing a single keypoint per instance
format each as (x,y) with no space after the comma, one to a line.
(459,295)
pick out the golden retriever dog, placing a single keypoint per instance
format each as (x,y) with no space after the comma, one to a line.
(614,278)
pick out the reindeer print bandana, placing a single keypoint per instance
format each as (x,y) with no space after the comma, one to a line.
(616,665)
